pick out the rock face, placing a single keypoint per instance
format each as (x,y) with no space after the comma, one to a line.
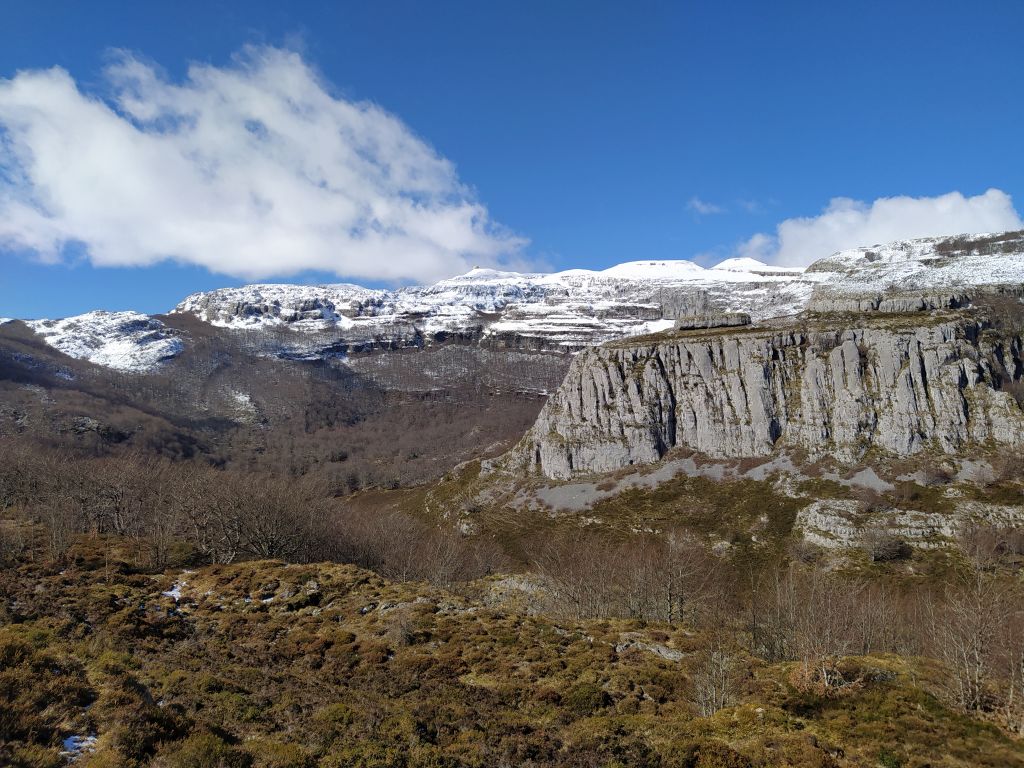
(712,320)
(842,523)
(898,384)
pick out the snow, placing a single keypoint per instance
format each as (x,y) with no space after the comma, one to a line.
(6,320)
(175,590)
(572,308)
(741,265)
(926,264)
(746,264)
(243,401)
(244,407)
(76,746)
(127,341)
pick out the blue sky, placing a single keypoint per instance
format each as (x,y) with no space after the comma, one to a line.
(557,135)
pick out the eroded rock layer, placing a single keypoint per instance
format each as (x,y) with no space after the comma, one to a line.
(900,385)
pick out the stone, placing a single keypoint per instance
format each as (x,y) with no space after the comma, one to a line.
(898,387)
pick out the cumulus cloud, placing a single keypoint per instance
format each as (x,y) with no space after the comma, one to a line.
(703,208)
(251,170)
(847,223)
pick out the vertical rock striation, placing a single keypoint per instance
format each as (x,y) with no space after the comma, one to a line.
(898,384)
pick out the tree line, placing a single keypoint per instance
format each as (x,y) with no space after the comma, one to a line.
(176,513)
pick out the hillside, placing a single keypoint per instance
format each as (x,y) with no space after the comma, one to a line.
(271,665)
(657,515)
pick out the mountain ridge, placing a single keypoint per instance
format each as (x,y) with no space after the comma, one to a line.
(562,311)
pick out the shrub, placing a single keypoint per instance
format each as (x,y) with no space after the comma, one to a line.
(585,699)
(34,756)
(272,754)
(883,547)
(709,754)
(206,750)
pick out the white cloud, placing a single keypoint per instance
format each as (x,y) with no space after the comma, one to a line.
(703,208)
(250,170)
(847,223)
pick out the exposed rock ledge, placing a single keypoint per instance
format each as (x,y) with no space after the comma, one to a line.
(827,301)
(712,320)
(842,523)
(895,384)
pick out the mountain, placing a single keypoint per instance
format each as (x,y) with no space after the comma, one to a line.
(560,311)
(127,341)
(839,386)
(904,348)
(888,347)
(563,311)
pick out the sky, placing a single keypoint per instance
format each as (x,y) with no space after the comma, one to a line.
(148,151)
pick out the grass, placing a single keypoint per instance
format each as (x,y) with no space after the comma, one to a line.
(728,509)
(324,665)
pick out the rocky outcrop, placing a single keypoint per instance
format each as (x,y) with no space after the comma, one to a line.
(899,385)
(843,523)
(825,300)
(712,320)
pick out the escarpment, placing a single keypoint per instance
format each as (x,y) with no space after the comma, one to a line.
(898,384)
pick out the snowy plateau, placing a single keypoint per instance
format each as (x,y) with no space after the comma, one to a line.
(566,310)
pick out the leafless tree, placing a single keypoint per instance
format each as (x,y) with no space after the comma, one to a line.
(968,623)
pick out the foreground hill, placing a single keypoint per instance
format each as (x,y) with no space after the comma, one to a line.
(297,666)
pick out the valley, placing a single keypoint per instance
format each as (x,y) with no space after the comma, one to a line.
(657,515)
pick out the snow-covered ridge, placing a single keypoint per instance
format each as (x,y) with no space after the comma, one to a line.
(569,309)
(584,305)
(926,264)
(747,264)
(127,341)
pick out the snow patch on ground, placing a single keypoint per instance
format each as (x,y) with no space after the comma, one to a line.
(76,746)
(243,404)
(175,591)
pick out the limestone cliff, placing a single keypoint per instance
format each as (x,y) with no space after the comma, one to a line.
(899,384)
